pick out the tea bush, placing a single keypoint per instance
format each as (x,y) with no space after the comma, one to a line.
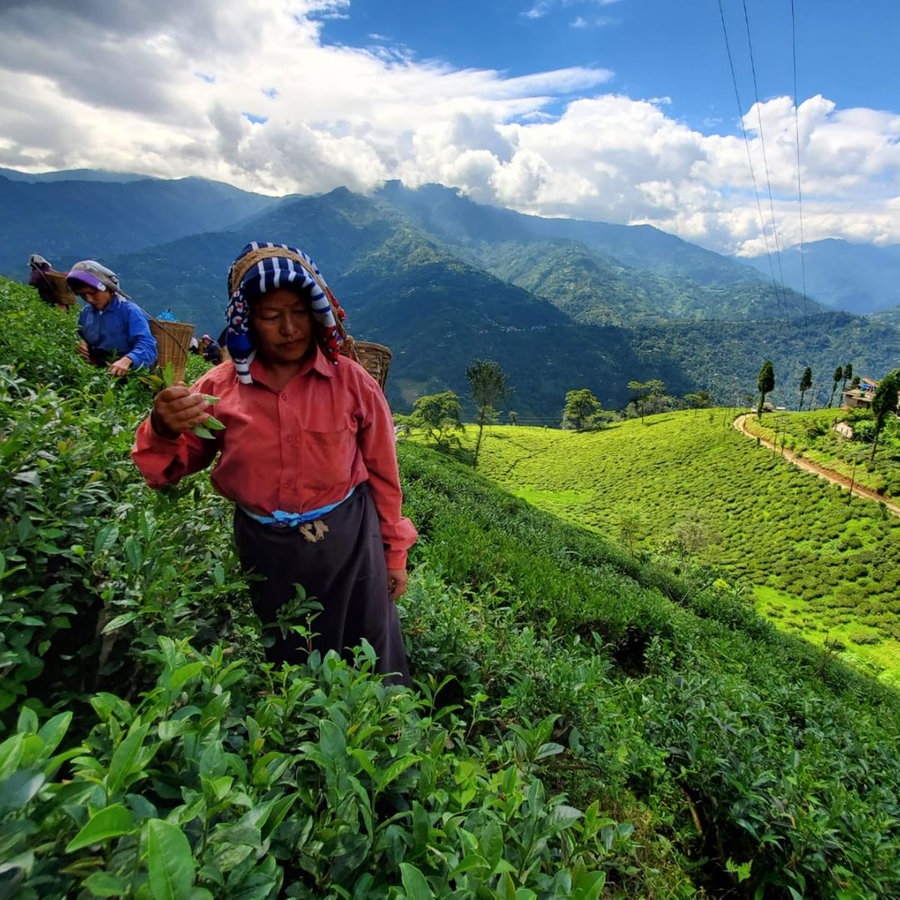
(585,723)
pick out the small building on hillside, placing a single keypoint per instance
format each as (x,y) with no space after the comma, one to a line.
(859,395)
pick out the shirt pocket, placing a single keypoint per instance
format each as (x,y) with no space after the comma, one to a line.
(327,458)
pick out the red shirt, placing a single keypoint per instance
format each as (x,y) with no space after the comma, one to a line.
(297,449)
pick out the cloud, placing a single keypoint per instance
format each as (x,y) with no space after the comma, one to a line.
(249,94)
(542,8)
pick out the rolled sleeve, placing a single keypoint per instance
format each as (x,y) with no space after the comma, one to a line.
(163,460)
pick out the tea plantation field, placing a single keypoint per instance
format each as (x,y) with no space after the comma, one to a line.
(688,486)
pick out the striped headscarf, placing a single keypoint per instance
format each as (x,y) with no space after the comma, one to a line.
(262,267)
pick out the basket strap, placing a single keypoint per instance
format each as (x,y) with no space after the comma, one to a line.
(348,348)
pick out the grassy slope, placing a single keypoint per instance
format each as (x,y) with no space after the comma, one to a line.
(812,434)
(688,480)
(717,748)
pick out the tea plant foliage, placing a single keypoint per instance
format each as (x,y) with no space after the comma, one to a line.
(585,723)
(688,490)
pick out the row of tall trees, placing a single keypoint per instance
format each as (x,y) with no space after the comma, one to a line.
(439,415)
(885,400)
(766,383)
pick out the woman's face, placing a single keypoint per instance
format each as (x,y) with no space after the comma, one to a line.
(98,299)
(282,327)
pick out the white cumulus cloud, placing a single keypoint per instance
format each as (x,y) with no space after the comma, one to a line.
(249,94)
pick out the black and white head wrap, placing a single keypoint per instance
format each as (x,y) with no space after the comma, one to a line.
(262,267)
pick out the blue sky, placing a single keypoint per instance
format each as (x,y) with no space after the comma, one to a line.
(612,110)
(657,48)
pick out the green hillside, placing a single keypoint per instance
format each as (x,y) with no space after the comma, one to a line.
(687,486)
(81,217)
(586,724)
(559,304)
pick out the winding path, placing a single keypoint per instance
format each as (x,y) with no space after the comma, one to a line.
(828,474)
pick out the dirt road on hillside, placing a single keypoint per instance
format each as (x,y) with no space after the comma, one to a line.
(828,474)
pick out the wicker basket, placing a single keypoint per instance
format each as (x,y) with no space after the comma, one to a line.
(173,340)
(58,288)
(374,358)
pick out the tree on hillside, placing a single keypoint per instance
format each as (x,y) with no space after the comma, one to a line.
(765,383)
(489,384)
(848,374)
(805,385)
(836,380)
(644,392)
(582,410)
(884,404)
(438,415)
(632,525)
(698,400)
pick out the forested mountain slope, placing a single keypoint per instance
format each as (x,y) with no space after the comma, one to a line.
(559,305)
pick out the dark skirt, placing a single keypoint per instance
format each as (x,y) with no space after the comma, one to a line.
(343,570)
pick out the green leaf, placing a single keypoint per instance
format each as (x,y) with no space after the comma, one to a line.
(589,885)
(28,721)
(18,789)
(549,749)
(332,741)
(117,622)
(396,768)
(109,822)
(204,430)
(470,862)
(414,883)
(491,843)
(184,674)
(129,758)
(170,861)
(11,753)
(105,884)
(106,537)
(563,816)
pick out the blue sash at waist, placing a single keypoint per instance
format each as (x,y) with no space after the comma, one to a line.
(282,519)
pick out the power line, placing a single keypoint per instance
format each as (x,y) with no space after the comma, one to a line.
(762,144)
(797,139)
(781,300)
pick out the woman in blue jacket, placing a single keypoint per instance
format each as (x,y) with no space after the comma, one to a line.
(114,331)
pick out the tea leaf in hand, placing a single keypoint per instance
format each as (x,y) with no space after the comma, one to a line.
(211,424)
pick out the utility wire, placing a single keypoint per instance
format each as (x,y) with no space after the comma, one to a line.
(740,107)
(762,144)
(797,138)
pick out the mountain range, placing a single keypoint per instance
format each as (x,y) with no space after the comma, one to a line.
(559,304)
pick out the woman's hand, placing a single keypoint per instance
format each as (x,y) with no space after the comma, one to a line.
(397,582)
(83,351)
(120,366)
(176,409)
